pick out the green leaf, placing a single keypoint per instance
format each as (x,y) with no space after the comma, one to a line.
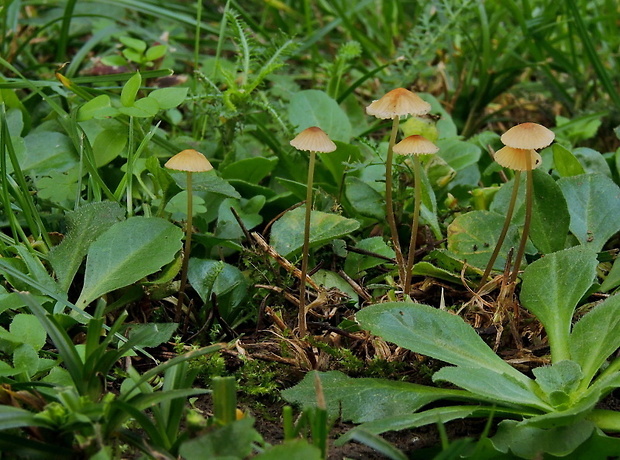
(168,98)
(365,399)
(561,377)
(134,43)
(287,233)
(142,108)
(26,359)
(364,199)
(130,90)
(14,417)
(550,217)
(592,203)
(566,164)
(295,448)
(127,252)
(84,225)
(338,160)
(252,170)
(355,263)
(435,333)
(473,236)
(99,107)
(158,333)
(530,442)
(218,444)
(205,182)
(47,151)
(458,154)
(490,384)
(593,162)
(108,145)
(551,289)
(596,336)
(612,280)
(155,52)
(28,329)
(315,108)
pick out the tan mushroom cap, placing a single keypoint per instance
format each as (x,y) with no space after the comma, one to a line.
(189,160)
(528,136)
(313,139)
(415,145)
(516,159)
(397,102)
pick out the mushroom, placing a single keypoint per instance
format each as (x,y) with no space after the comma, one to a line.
(415,146)
(519,154)
(312,140)
(394,104)
(190,161)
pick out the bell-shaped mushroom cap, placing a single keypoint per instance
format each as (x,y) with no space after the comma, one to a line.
(516,159)
(415,145)
(528,136)
(398,102)
(313,139)
(189,160)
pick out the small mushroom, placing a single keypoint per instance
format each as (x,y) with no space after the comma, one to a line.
(312,140)
(190,161)
(393,105)
(517,159)
(529,136)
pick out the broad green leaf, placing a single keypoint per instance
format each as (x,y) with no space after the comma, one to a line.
(142,108)
(168,98)
(315,108)
(598,446)
(355,263)
(435,333)
(295,448)
(47,151)
(108,144)
(364,199)
(155,52)
(550,217)
(366,399)
(566,164)
(218,443)
(127,252)
(287,233)
(58,187)
(593,162)
(596,336)
(28,329)
(206,182)
(248,211)
(99,107)
(491,384)
(134,43)
(551,289)
(530,442)
(84,225)
(252,170)
(130,90)
(407,421)
(329,279)
(473,237)
(26,359)
(458,154)
(592,203)
(154,333)
(15,417)
(559,380)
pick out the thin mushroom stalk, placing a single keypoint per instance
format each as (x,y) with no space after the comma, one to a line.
(394,104)
(190,161)
(519,154)
(312,140)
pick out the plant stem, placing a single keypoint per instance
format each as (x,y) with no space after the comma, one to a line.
(502,235)
(414,226)
(389,207)
(529,188)
(304,254)
(186,249)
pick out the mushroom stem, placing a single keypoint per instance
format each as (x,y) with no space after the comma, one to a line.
(529,192)
(502,235)
(304,252)
(389,207)
(187,248)
(414,226)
